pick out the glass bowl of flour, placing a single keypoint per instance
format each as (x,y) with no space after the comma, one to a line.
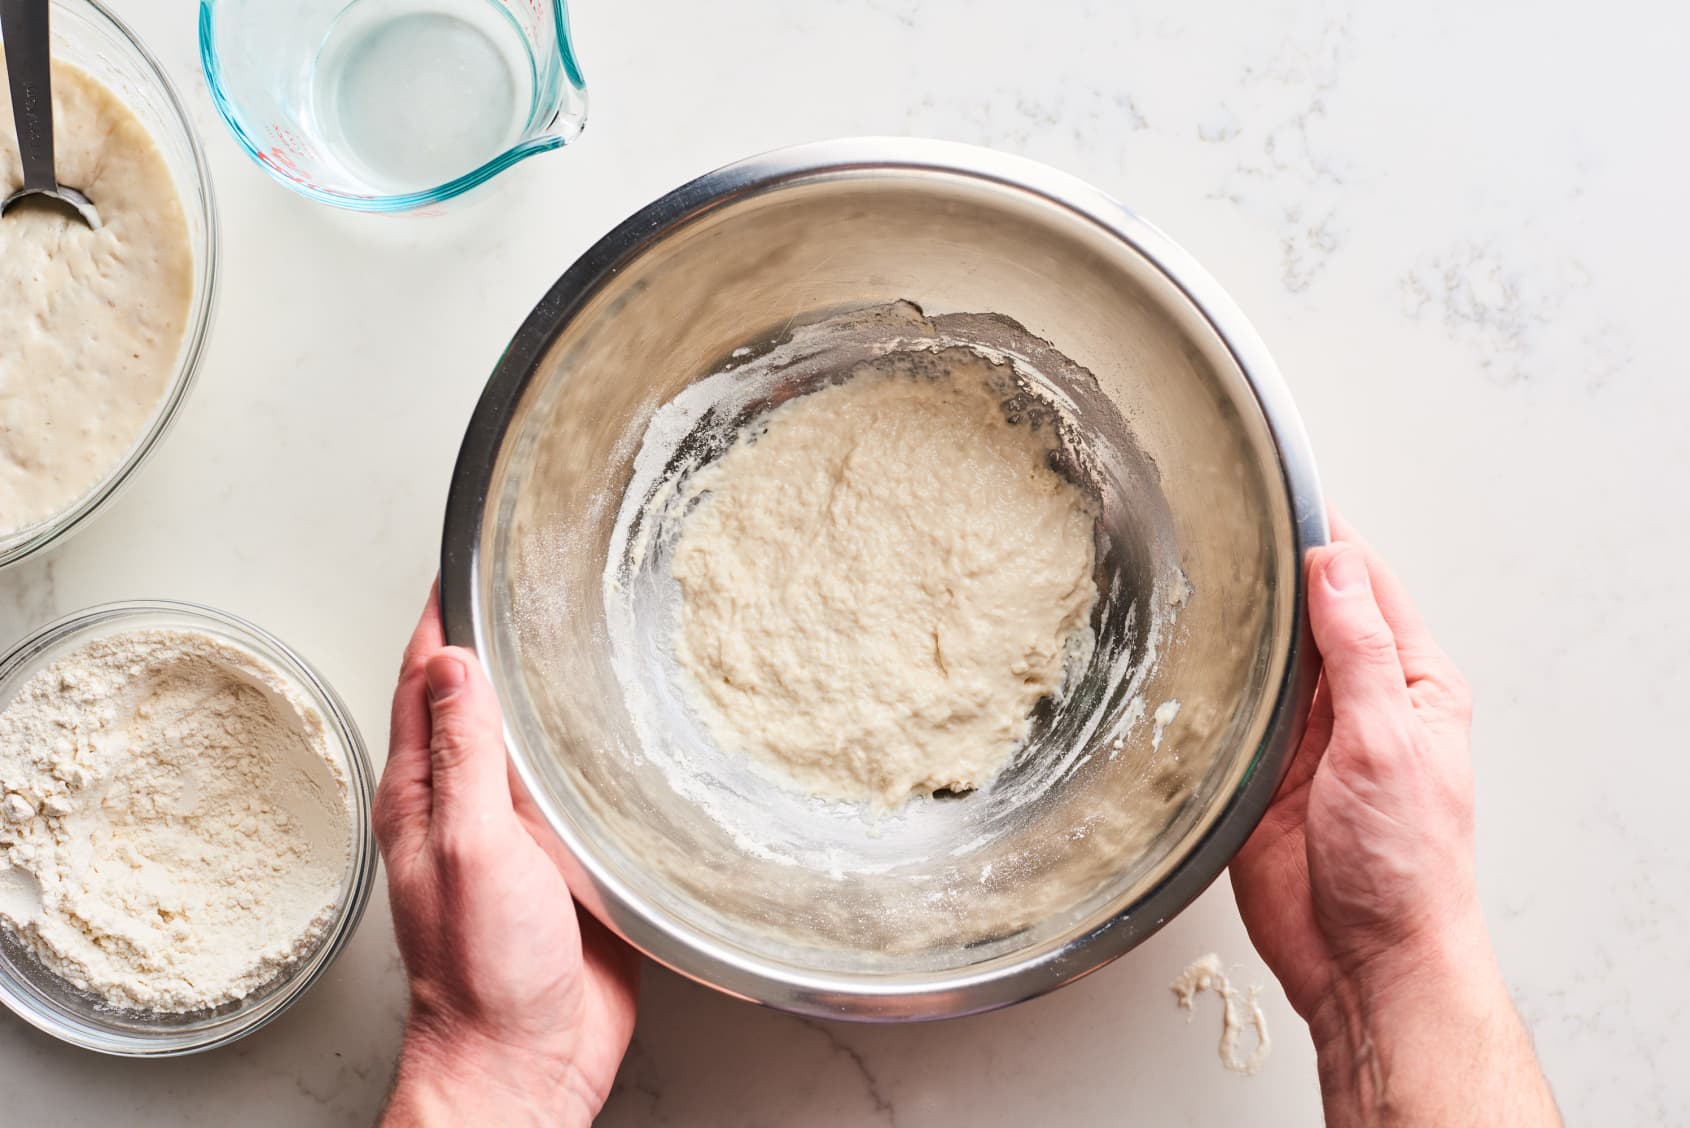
(103,329)
(185,844)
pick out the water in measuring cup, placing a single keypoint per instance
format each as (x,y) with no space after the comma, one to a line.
(409,94)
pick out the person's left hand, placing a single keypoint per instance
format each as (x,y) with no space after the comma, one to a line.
(521,1007)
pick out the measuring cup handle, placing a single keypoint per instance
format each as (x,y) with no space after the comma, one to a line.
(29,72)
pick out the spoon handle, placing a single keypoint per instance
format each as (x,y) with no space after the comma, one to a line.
(29,72)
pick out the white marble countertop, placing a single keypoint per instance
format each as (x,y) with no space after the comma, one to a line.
(1460,228)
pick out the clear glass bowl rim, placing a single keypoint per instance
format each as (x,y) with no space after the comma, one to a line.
(55,528)
(175,1042)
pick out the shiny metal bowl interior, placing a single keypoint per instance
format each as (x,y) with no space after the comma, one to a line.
(1108,822)
(88,36)
(44,1000)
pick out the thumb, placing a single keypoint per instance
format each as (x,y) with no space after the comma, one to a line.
(466,740)
(1357,649)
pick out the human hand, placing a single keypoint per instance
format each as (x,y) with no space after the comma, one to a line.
(521,1007)
(1358,886)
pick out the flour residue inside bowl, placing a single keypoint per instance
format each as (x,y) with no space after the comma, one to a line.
(1098,682)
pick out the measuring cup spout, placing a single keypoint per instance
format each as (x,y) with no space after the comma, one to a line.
(547,22)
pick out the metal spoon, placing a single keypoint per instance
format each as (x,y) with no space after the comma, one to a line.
(29,72)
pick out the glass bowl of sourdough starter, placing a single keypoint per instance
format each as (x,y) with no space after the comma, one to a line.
(50,1003)
(87,36)
(768,279)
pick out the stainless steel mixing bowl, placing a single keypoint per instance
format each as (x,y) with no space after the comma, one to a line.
(1134,790)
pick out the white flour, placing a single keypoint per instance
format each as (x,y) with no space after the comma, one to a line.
(174,830)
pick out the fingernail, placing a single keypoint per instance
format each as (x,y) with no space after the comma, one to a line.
(445,676)
(1346,571)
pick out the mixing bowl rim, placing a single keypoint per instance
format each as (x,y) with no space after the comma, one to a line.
(684,948)
(79,513)
(40,645)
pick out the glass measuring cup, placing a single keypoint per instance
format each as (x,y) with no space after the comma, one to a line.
(392,105)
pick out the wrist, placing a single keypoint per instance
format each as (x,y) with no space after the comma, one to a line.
(1382,1025)
(1446,962)
(452,1074)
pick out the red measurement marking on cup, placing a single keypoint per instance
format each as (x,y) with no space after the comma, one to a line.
(533,16)
(281,156)
(291,145)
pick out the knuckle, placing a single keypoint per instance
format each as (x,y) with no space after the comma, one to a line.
(381,806)
(1448,692)
(1399,743)
(385,818)
(1383,748)
(411,666)
(450,748)
(1461,693)
(1373,642)
(458,851)
(388,838)
(460,735)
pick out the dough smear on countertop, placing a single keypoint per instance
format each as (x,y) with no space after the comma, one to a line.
(1205,974)
(91,322)
(882,578)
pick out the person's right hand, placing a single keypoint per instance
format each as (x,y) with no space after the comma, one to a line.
(1358,886)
